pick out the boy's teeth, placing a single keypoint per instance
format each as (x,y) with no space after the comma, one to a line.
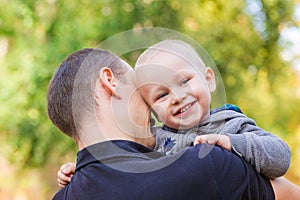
(185,108)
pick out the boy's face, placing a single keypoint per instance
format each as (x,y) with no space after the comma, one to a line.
(177,92)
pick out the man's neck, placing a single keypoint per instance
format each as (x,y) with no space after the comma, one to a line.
(91,134)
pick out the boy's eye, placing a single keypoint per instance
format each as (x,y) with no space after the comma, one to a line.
(161,95)
(184,81)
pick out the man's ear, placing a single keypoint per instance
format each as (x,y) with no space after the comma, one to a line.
(210,79)
(108,81)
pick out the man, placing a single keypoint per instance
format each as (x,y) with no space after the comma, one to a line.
(92,99)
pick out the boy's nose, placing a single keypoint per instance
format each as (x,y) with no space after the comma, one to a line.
(177,97)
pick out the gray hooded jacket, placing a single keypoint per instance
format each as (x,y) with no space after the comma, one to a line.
(267,153)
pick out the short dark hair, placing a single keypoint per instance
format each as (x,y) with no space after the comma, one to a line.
(75,79)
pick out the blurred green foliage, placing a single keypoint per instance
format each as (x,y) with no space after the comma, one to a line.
(242,37)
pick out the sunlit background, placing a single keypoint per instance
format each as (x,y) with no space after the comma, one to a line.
(254,43)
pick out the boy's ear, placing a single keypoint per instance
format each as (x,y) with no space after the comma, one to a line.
(210,79)
(108,81)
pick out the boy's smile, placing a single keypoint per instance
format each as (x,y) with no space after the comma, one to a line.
(185,110)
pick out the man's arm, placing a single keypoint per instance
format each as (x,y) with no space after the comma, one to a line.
(285,189)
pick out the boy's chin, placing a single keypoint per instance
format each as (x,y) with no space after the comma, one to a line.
(189,124)
(182,126)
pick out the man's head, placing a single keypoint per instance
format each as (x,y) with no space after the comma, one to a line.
(176,84)
(82,91)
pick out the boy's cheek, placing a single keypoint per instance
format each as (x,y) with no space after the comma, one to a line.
(160,113)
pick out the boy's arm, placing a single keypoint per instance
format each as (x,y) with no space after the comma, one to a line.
(267,153)
(65,174)
(217,139)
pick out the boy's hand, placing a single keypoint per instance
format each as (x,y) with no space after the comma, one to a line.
(217,139)
(65,174)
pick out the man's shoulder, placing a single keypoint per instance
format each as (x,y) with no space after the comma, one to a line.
(59,194)
(212,154)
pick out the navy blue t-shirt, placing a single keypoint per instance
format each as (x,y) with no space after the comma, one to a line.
(127,170)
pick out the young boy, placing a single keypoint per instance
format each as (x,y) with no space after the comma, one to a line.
(177,85)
